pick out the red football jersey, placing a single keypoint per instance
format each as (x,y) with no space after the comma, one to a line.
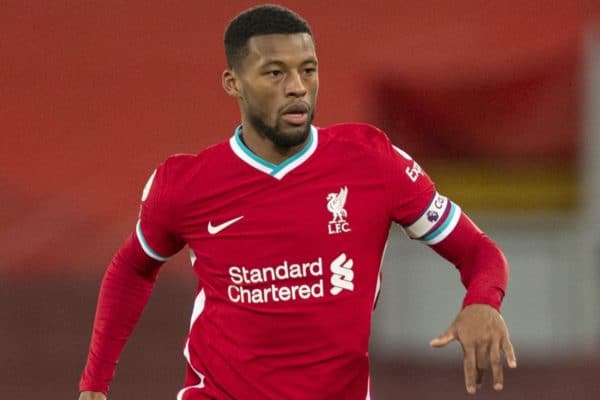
(287,257)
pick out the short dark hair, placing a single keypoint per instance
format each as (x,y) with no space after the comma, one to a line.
(260,20)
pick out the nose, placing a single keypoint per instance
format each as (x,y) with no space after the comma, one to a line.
(295,85)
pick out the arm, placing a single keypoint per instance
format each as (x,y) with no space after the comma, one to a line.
(479,326)
(124,292)
(129,279)
(482,266)
(433,219)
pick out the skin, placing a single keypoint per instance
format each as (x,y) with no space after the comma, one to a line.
(280,70)
(483,335)
(92,396)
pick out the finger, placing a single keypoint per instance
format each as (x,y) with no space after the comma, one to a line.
(496,363)
(443,339)
(507,347)
(483,357)
(479,380)
(482,362)
(470,367)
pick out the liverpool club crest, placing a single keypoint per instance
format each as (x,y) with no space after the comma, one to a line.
(335,205)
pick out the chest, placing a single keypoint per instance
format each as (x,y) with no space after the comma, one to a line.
(302,213)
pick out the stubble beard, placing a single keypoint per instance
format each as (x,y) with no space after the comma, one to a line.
(277,137)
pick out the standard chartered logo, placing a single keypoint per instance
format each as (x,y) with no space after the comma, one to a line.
(288,281)
(272,289)
(342,276)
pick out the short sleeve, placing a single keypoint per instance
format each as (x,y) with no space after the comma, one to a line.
(415,204)
(156,226)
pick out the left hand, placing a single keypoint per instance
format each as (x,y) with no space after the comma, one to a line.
(482,333)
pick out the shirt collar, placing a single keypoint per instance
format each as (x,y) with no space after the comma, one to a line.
(277,171)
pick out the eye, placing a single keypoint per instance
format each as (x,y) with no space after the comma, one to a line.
(274,73)
(310,70)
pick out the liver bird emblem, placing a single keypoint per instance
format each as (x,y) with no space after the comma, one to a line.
(336,203)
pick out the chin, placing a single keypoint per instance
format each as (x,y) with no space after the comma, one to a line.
(293,135)
(296,130)
(282,134)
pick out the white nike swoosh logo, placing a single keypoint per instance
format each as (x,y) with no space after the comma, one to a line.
(214,229)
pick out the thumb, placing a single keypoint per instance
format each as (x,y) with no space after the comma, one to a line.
(443,339)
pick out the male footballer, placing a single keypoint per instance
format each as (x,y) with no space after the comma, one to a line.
(286,224)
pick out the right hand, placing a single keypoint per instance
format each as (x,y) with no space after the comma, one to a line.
(92,396)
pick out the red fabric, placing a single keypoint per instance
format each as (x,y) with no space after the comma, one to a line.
(125,290)
(483,268)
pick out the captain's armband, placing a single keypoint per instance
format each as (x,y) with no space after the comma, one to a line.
(436,222)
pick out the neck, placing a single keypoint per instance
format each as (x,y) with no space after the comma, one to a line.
(265,148)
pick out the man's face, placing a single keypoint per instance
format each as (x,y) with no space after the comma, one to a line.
(278,86)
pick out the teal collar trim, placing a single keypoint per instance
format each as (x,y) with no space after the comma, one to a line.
(277,171)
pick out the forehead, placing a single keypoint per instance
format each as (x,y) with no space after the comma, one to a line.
(286,48)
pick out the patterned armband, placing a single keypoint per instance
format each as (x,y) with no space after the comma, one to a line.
(436,222)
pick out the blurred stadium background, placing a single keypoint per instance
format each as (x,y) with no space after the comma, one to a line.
(499,101)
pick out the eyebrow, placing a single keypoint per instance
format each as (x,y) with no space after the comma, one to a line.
(279,63)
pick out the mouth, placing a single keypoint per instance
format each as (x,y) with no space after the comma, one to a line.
(296,113)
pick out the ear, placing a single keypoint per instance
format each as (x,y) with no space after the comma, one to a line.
(231,83)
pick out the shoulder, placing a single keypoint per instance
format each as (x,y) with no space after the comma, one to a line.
(353,130)
(178,166)
(185,159)
(356,135)
(178,162)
